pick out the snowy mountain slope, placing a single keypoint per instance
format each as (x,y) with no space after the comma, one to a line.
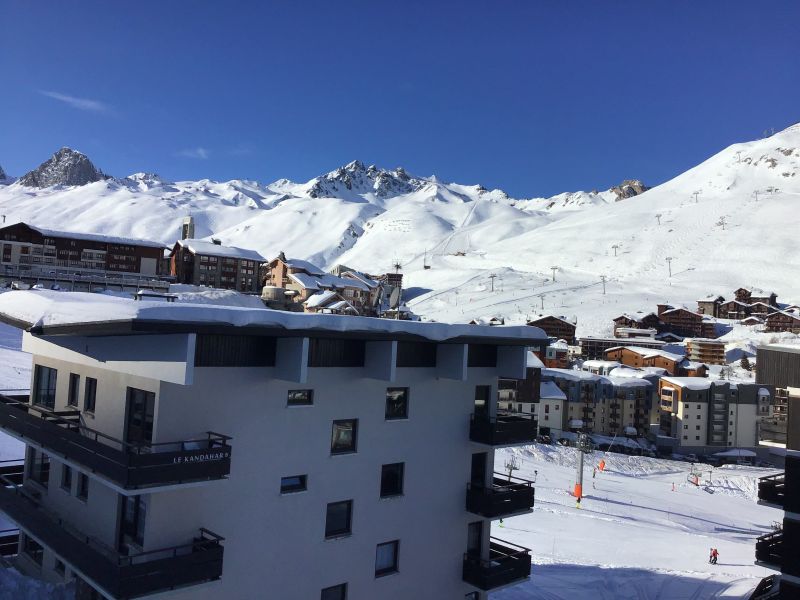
(368,218)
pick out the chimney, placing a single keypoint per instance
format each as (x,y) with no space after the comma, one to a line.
(187,229)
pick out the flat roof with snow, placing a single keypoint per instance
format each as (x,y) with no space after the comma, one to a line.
(47,312)
(95,237)
(691,383)
(211,249)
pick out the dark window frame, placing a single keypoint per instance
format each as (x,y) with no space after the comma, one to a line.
(344,531)
(74,389)
(353,447)
(339,589)
(44,386)
(386,482)
(33,549)
(404,414)
(38,466)
(290,401)
(90,395)
(82,490)
(294,488)
(66,478)
(395,566)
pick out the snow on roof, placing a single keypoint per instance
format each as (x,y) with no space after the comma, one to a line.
(560,318)
(341,304)
(763,392)
(601,363)
(303,265)
(319,299)
(534,361)
(691,383)
(369,282)
(573,375)
(560,345)
(550,391)
(211,249)
(681,308)
(690,364)
(304,280)
(711,298)
(651,352)
(628,381)
(43,309)
(96,237)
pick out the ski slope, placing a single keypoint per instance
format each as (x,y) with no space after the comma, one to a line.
(633,537)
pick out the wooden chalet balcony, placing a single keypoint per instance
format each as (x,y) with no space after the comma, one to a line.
(508,563)
(121,576)
(769,550)
(504,430)
(130,466)
(772,490)
(504,497)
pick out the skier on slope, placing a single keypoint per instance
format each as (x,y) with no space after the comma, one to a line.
(710,555)
(714,556)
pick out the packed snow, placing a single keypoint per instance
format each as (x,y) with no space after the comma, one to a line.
(634,537)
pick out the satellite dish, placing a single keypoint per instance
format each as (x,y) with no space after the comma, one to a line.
(394,298)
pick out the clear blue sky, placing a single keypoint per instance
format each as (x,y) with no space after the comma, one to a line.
(535,97)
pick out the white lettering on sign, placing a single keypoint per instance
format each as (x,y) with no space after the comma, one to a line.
(210,456)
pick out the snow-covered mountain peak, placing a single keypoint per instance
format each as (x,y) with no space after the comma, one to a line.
(67,167)
(354,179)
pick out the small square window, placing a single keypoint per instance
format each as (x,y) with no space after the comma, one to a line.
(344,436)
(83,487)
(66,478)
(338,519)
(300,398)
(698,416)
(386,558)
(697,437)
(392,480)
(699,406)
(686,437)
(698,428)
(336,592)
(396,403)
(293,483)
(686,427)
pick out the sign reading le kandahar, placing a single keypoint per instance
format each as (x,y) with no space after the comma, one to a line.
(205,457)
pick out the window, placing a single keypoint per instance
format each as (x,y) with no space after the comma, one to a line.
(90,394)
(698,428)
(134,512)
(38,466)
(546,408)
(59,567)
(386,558)
(336,592)
(396,403)
(300,398)
(392,479)
(344,436)
(66,478)
(698,416)
(338,519)
(698,407)
(74,386)
(472,596)
(686,437)
(697,437)
(686,427)
(33,549)
(44,386)
(686,407)
(293,483)
(556,406)
(83,487)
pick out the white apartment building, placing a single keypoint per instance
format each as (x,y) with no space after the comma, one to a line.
(191,453)
(706,415)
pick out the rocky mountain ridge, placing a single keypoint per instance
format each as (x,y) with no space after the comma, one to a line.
(66,167)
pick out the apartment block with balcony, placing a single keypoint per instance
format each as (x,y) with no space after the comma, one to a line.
(209,263)
(708,351)
(709,416)
(218,453)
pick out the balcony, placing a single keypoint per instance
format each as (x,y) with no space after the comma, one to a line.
(503,430)
(772,490)
(129,466)
(769,550)
(504,497)
(508,563)
(120,576)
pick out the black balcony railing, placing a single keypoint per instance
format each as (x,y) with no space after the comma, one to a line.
(129,465)
(769,550)
(122,576)
(9,542)
(507,564)
(505,429)
(767,589)
(772,489)
(505,496)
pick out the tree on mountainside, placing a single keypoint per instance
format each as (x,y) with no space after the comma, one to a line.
(745,364)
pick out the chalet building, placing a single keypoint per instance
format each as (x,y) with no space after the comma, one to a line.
(317,291)
(783,321)
(752,320)
(32,253)
(703,415)
(751,295)
(209,263)
(710,305)
(490,321)
(734,310)
(594,348)
(628,333)
(673,364)
(649,321)
(556,355)
(680,321)
(550,408)
(557,328)
(282,455)
(761,308)
(711,352)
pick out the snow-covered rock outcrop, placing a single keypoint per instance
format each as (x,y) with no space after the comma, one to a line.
(66,167)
